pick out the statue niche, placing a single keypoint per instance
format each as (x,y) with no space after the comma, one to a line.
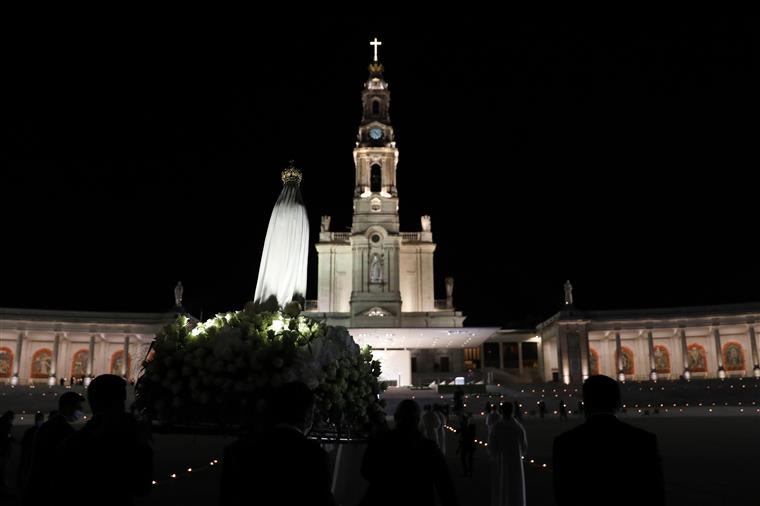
(376,268)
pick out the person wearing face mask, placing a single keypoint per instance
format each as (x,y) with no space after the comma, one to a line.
(112,452)
(47,439)
(258,469)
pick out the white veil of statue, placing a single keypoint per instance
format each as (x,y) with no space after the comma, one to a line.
(282,272)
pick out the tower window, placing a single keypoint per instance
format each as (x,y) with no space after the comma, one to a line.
(375,107)
(375,178)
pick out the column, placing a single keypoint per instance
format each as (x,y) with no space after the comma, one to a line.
(54,360)
(541,365)
(519,357)
(618,357)
(685,352)
(501,355)
(753,344)
(585,355)
(17,359)
(125,365)
(652,365)
(564,355)
(718,353)
(64,359)
(90,361)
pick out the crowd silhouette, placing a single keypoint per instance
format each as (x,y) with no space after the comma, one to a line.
(268,459)
(609,450)
(420,473)
(403,464)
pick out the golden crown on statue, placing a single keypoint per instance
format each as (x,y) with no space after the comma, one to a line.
(291,174)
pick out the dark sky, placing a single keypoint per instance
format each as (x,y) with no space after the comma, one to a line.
(622,158)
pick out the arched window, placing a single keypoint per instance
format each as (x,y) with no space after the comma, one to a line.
(375,178)
(375,107)
(593,361)
(733,356)
(697,358)
(626,361)
(79,364)
(117,363)
(6,362)
(42,363)
(661,360)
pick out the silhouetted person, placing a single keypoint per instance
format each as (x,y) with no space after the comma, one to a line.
(518,411)
(6,446)
(279,465)
(378,425)
(27,447)
(492,419)
(467,445)
(562,410)
(44,466)
(419,470)
(595,462)
(112,451)
(458,399)
(430,424)
(441,416)
(506,446)
(541,409)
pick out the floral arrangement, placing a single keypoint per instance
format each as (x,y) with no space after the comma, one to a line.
(221,371)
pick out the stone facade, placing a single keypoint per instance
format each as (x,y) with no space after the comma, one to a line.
(379,281)
(40,346)
(690,342)
(375,275)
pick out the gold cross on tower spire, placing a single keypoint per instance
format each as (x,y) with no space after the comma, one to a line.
(375,43)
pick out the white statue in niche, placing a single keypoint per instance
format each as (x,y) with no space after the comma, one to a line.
(376,269)
(425,223)
(326,223)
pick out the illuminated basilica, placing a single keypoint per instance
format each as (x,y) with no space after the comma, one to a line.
(379,282)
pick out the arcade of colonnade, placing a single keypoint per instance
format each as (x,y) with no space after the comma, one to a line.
(40,346)
(705,342)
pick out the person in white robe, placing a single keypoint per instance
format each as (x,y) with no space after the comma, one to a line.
(438,411)
(507,444)
(492,418)
(429,424)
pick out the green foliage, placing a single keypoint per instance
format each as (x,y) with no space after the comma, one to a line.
(221,371)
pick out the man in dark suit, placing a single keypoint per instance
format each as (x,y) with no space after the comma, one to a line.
(279,466)
(404,468)
(605,461)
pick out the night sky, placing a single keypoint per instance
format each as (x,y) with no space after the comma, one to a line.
(622,158)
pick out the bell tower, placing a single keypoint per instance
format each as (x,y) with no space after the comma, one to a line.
(375,159)
(375,238)
(375,275)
